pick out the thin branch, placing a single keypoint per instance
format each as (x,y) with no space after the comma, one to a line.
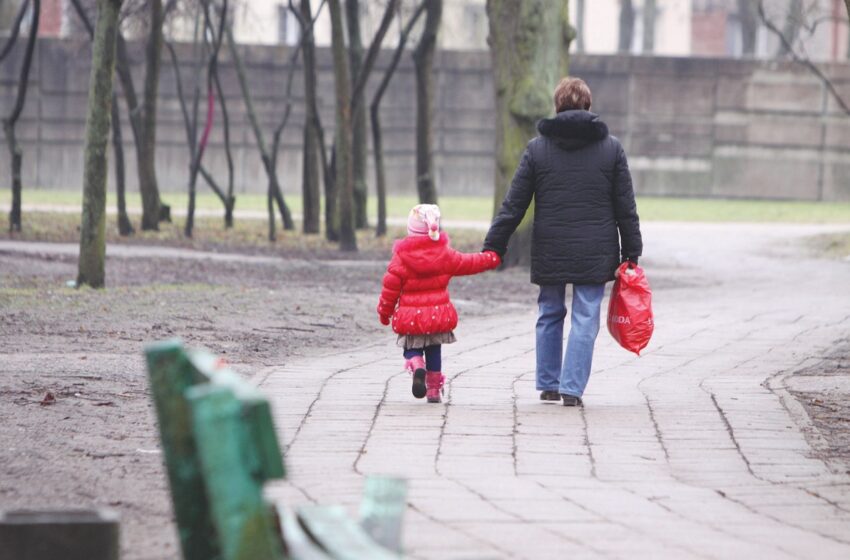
(802,60)
(372,53)
(16,29)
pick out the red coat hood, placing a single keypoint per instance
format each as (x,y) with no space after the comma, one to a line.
(422,255)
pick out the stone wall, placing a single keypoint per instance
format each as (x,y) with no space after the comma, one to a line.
(692,127)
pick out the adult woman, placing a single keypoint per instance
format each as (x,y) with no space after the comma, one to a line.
(584,206)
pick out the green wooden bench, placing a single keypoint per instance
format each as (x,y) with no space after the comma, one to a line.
(220,447)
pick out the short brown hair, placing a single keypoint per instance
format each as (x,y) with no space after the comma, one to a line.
(572,93)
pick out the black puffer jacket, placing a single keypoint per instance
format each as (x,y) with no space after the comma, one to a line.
(582,189)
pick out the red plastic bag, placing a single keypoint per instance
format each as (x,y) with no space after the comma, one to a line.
(630,309)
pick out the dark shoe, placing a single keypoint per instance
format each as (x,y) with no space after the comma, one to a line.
(550,396)
(570,400)
(416,367)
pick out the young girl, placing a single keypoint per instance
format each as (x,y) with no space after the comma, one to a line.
(416,297)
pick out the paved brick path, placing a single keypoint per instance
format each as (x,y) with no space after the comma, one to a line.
(694,450)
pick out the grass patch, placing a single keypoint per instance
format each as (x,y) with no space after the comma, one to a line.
(481,208)
(247,236)
(832,245)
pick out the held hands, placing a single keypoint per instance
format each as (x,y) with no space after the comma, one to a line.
(497,260)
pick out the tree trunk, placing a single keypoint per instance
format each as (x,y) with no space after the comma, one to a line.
(310,178)
(529,45)
(152,211)
(230,200)
(125,226)
(344,164)
(9,123)
(359,133)
(93,226)
(423,57)
(649,13)
(749,27)
(627,26)
(374,109)
(580,26)
(793,22)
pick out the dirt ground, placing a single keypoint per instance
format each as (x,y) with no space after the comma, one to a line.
(96,445)
(824,391)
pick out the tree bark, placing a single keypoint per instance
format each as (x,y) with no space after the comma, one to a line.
(148,187)
(344,164)
(230,200)
(374,109)
(627,26)
(9,123)
(423,58)
(310,178)
(93,226)
(125,226)
(359,133)
(529,45)
(649,13)
(749,27)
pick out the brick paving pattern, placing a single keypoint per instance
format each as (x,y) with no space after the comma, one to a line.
(694,450)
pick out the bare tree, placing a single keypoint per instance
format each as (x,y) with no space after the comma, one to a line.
(9,122)
(359,132)
(791,30)
(125,226)
(153,209)
(749,26)
(93,226)
(275,194)
(627,26)
(423,58)
(200,145)
(529,44)
(313,116)
(311,146)
(190,124)
(15,30)
(344,163)
(374,110)
(650,11)
(801,58)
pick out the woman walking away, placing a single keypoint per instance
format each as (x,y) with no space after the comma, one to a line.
(415,296)
(585,225)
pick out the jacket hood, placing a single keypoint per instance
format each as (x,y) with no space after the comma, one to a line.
(573,130)
(421,254)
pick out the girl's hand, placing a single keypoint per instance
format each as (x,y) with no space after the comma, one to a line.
(385,320)
(494,256)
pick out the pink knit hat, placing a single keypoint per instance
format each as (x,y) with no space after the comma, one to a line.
(424,219)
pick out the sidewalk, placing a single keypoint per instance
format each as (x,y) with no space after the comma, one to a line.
(694,450)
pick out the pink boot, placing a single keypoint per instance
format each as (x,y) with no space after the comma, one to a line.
(416,366)
(434,381)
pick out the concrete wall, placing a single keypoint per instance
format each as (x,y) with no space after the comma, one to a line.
(692,127)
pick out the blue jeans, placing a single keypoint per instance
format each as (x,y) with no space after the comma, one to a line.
(433,356)
(568,376)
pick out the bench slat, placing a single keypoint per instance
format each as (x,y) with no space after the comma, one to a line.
(340,536)
(171,374)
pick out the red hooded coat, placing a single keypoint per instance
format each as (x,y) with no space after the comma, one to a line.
(415,292)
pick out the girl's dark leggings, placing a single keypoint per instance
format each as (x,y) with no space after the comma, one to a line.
(433,356)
